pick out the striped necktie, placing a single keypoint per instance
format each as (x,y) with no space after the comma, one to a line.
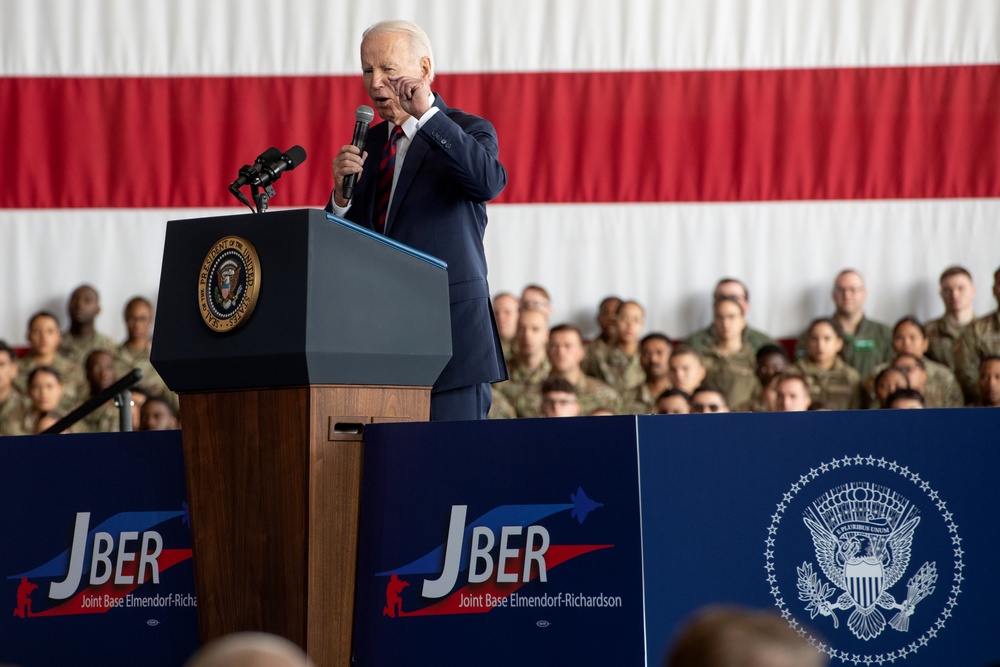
(386,168)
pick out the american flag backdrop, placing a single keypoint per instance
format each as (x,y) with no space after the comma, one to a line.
(652,146)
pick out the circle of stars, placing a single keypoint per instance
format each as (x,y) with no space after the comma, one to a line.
(956,541)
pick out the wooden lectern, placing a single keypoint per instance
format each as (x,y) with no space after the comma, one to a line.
(284,334)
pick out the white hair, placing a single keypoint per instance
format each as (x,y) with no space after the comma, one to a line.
(420,43)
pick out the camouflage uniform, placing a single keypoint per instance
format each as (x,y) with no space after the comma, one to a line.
(77,348)
(72,376)
(12,414)
(941,391)
(591,394)
(836,389)
(707,338)
(640,401)
(736,374)
(520,379)
(617,368)
(869,346)
(500,408)
(947,345)
(128,358)
(104,419)
(982,340)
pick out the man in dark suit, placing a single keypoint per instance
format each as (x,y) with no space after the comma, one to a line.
(424,179)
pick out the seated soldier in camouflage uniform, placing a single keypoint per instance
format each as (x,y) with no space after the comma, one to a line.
(505,310)
(654,357)
(565,353)
(14,405)
(100,369)
(82,338)
(619,365)
(983,339)
(832,381)
(730,287)
(687,371)
(559,398)
(731,362)
(134,352)
(989,381)
(708,399)
(905,399)
(866,342)
(791,393)
(947,335)
(530,365)
(44,338)
(942,390)
(673,402)
(887,381)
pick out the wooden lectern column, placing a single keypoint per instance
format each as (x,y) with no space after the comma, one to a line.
(274,484)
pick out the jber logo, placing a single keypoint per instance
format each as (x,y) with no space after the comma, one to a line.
(105,565)
(483,563)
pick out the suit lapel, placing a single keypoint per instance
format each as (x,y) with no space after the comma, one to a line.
(411,167)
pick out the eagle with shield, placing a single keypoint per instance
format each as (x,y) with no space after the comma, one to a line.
(862,534)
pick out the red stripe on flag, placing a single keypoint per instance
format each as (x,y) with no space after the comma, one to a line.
(920,132)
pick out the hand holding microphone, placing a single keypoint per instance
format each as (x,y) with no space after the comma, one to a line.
(350,160)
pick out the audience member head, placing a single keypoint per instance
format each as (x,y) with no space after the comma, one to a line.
(250,649)
(8,369)
(728,319)
(673,402)
(607,314)
(100,369)
(708,398)
(729,636)
(686,368)
(630,320)
(565,350)
(559,398)
(138,320)
(84,306)
(913,366)
(824,341)
(996,286)
(44,335)
(536,297)
(905,399)
(532,334)
(654,356)
(735,288)
(989,381)
(505,309)
(849,294)
(771,360)
(45,388)
(156,414)
(887,381)
(910,337)
(957,292)
(791,393)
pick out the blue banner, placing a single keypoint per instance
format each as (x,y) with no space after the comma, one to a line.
(96,559)
(499,543)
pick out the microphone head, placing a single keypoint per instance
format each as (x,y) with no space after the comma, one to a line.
(364,114)
(295,156)
(268,156)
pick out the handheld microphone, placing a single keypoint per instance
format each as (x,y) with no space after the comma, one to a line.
(271,171)
(364,116)
(248,172)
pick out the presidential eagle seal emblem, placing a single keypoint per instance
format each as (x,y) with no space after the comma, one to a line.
(228,283)
(854,550)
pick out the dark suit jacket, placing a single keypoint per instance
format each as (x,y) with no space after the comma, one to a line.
(449,173)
